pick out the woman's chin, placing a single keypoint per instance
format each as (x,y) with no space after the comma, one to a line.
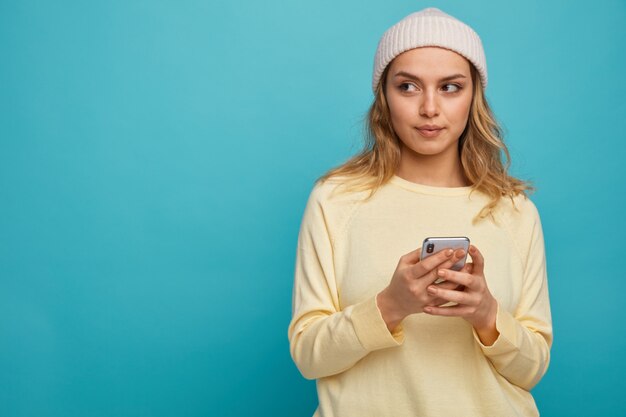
(426,150)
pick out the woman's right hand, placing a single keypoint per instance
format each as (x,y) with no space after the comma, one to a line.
(406,293)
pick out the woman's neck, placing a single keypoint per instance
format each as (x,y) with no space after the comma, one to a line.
(434,170)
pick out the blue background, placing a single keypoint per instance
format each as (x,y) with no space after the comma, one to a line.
(156,157)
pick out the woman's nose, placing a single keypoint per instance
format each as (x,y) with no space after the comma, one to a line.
(429,106)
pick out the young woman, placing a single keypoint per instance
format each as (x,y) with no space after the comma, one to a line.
(384,332)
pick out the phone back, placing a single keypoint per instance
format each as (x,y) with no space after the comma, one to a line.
(433,245)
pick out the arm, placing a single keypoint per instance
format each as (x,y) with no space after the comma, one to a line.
(518,345)
(325,339)
(521,352)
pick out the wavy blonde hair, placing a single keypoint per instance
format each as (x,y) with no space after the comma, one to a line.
(481,147)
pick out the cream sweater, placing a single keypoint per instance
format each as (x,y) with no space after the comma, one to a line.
(349,248)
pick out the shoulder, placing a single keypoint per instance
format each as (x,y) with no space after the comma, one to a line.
(335,192)
(331,205)
(519,215)
(519,209)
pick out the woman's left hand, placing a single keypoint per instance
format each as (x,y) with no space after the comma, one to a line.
(474,301)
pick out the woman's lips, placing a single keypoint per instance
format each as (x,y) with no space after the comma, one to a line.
(429,133)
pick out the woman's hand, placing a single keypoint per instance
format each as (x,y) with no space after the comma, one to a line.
(406,293)
(474,301)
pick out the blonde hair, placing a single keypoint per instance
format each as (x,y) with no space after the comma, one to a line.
(481,147)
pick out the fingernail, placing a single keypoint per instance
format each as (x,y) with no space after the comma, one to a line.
(428,309)
(441,273)
(432,289)
(449,252)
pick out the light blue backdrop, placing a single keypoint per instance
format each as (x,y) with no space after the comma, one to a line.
(156,156)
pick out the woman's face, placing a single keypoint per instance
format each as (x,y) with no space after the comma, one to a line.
(429,93)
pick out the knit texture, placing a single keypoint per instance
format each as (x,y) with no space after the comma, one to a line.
(429,27)
(348,249)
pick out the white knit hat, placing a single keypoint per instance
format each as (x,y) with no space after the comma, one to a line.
(429,27)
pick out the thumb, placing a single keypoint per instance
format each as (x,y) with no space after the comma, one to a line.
(468,268)
(477,260)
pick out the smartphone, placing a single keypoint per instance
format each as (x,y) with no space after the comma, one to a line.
(433,245)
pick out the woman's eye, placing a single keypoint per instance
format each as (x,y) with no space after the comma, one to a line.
(406,87)
(454,86)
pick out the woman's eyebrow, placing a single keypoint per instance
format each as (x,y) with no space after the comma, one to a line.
(415,77)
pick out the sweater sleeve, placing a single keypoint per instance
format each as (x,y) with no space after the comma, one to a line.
(324,338)
(522,351)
